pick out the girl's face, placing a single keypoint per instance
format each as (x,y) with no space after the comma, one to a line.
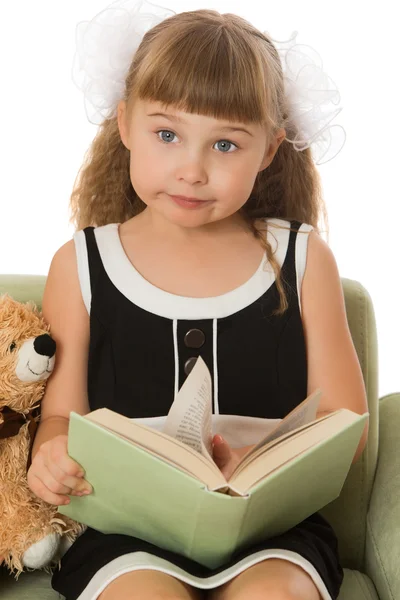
(193,156)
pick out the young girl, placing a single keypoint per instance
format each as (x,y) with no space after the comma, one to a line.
(209,247)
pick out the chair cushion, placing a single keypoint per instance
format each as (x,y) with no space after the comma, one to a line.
(23,287)
(30,586)
(357,586)
(383,525)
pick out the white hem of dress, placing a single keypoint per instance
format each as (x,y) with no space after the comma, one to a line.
(135,561)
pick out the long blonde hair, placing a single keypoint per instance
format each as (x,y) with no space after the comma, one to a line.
(217,65)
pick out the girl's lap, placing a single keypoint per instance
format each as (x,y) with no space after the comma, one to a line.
(271,579)
(151,585)
(275,579)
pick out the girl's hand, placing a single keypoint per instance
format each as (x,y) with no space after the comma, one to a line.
(53,475)
(225,457)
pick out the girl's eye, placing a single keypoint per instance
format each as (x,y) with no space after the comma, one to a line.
(12,346)
(171,133)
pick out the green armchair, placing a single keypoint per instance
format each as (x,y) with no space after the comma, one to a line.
(366,516)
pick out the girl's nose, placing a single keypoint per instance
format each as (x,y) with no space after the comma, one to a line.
(193,171)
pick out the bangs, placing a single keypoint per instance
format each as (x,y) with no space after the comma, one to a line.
(207,70)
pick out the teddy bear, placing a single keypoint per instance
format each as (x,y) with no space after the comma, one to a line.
(32,534)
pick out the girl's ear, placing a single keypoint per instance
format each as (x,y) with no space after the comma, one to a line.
(272,149)
(122,124)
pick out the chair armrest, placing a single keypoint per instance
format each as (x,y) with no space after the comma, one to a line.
(382,558)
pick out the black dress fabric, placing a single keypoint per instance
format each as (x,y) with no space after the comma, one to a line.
(132,354)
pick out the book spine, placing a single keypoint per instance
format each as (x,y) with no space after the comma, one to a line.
(218,521)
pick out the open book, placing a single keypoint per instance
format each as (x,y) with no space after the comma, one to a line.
(164,487)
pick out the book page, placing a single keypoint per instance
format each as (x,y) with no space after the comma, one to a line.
(280,441)
(293,446)
(189,418)
(301,415)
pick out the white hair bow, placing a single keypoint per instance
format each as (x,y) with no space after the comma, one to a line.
(106,44)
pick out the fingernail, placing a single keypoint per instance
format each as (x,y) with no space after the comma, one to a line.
(84,488)
(219,439)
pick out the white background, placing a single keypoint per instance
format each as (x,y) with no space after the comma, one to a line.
(44,135)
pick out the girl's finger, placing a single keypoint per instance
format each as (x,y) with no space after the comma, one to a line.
(53,485)
(222,453)
(57,455)
(64,469)
(43,492)
(72,482)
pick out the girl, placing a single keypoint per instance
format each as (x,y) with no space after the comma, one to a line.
(207,247)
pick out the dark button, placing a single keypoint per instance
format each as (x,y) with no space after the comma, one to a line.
(194,338)
(189,364)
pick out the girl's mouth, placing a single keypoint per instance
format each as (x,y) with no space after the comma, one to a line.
(190,203)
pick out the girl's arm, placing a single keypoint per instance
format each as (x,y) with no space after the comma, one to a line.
(333,364)
(53,474)
(332,360)
(64,310)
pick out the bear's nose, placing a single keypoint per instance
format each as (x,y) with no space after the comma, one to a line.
(45,345)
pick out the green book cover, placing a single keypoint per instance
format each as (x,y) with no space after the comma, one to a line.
(136,493)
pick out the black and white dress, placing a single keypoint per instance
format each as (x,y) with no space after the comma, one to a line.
(142,343)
